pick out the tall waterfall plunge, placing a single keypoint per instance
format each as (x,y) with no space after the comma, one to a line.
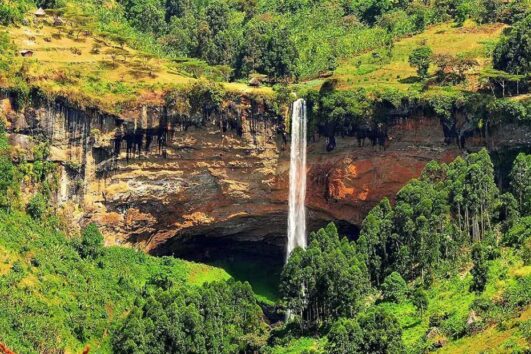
(297,178)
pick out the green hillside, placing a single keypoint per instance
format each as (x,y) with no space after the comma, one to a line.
(54,298)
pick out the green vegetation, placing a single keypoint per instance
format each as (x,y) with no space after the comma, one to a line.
(277,38)
(420,58)
(262,274)
(513,52)
(445,236)
(520,176)
(326,281)
(53,299)
(447,264)
(217,318)
(479,270)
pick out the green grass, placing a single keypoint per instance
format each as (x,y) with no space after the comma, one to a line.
(67,66)
(260,273)
(493,339)
(200,274)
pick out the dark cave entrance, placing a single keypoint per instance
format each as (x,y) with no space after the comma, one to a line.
(257,262)
(252,249)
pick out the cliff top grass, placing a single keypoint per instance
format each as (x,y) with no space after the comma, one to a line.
(73,60)
(70,57)
(377,69)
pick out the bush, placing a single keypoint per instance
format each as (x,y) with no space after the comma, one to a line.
(526,252)
(7,177)
(419,298)
(454,327)
(513,52)
(420,58)
(12,12)
(518,296)
(37,206)
(525,329)
(344,337)
(437,319)
(91,245)
(518,233)
(394,288)
(381,332)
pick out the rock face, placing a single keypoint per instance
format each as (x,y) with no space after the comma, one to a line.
(168,186)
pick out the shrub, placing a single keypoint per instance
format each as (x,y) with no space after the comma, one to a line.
(517,234)
(526,252)
(420,58)
(437,319)
(12,11)
(455,326)
(394,288)
(381,332)
(345,336)
(91,244)
(518,296)
(525,329)
(419,298)
(37,206)
(7,176)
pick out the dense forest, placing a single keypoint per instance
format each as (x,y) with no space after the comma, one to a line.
(443,265)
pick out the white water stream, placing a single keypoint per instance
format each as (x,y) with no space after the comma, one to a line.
(297,178)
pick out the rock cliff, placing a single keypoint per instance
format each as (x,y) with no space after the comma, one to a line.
(168,185)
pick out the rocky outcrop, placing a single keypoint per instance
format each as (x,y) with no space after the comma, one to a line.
(168,183)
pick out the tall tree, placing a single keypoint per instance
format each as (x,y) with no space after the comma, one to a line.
(420,58)
(479,270)
(521,182)
(513,52)
(325,281)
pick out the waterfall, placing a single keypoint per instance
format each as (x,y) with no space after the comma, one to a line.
(297,178)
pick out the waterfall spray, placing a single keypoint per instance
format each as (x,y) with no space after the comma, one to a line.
(297,178)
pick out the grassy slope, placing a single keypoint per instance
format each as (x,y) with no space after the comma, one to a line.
(471,40)
(452,296)
(66,65)
(50,295)
(262,274)
(492,340)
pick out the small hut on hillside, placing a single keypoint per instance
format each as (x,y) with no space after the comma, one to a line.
(26,53)
(255,82)
(40,12)
(58,22)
